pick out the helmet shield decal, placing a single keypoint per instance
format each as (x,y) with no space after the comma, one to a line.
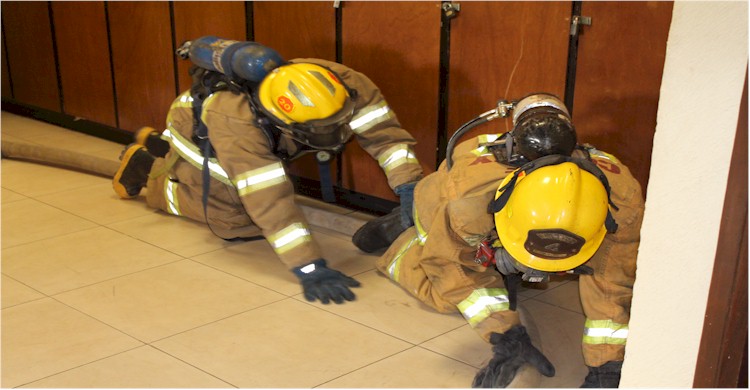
(553,243)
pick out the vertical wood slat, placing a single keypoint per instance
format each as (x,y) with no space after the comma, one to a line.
(143,57)
(83,53)
(7,90)
(397,45)
(194,19)
(298,29)
(504,50)
(31,57)
(620,63)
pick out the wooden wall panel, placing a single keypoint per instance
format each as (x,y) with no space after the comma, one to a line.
(620,63)
(194,19)
(143,57)
(83,53)
(397,45)
(298,29)
(504,50)
(31,57)
(7,92)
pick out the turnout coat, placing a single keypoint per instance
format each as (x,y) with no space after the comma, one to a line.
(434,260)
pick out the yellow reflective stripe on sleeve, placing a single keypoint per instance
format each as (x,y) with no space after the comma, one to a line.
(421,233)
(289,237)
(368,117)
(188,151)
(182,101)
(484,139)
(170,193)
(397,156)
(605,332)
(394,268)
(258,179)
(482,303)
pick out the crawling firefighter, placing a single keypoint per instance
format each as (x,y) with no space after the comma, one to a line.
(221,159)
(513,207)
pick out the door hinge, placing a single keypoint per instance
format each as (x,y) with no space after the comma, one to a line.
(578,21)
(450,10)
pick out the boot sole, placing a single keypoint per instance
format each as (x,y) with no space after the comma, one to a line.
(116,185)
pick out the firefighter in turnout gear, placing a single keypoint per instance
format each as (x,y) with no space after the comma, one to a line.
(237,182)
(521,206)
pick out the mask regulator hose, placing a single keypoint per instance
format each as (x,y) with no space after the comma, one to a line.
(501,111)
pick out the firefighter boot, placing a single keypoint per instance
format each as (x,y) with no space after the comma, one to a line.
(149,138)
(379,233)
(133,173)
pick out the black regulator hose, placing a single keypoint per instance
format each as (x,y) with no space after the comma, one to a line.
(460,133)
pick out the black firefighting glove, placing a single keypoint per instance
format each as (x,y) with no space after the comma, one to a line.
(320,282)
(511,350)
(605,376)
(405,193)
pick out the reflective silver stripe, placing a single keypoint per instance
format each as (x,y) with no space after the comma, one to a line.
(188,151)
(370,116)
(290,237)
(421,233)
(605,332)
(184,101)
(484,139)
(170,193)
(258,179)
(482,303)
(397,156)
(394,268)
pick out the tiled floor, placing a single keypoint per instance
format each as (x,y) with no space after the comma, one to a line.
(102,292)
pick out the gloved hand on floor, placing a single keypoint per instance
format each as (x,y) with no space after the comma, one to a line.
(511,350)
(605,376)
(325,284)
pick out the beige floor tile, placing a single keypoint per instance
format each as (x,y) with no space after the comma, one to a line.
(144,367)
(384,306)
(561,332)
(462,344)
(285,344)
(342,223)
(29,220)
(565,296)
(255,261)
(15,293)
(28,128)
(10,196)
(80,259)
(31,179)
(45,337)
(98,203)
(414,368)
(162,301)
(176,234)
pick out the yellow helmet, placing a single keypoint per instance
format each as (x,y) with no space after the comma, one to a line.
(552,214)
(309,102)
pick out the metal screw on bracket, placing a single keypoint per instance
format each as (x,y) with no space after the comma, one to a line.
(450,10)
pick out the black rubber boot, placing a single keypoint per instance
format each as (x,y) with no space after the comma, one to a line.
(379,233)
(149,138)
(133,173)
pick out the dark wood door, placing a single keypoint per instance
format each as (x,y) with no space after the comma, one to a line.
(84,61)
(144,62)
(620,63)
(31,57)
(504,50)
(194,19)
(397,45)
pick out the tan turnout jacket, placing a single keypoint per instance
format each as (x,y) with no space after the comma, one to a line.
(250,192)
(434,260)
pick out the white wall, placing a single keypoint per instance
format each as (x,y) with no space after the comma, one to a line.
(704,72)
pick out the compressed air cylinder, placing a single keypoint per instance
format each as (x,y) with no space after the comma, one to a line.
(246,60)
